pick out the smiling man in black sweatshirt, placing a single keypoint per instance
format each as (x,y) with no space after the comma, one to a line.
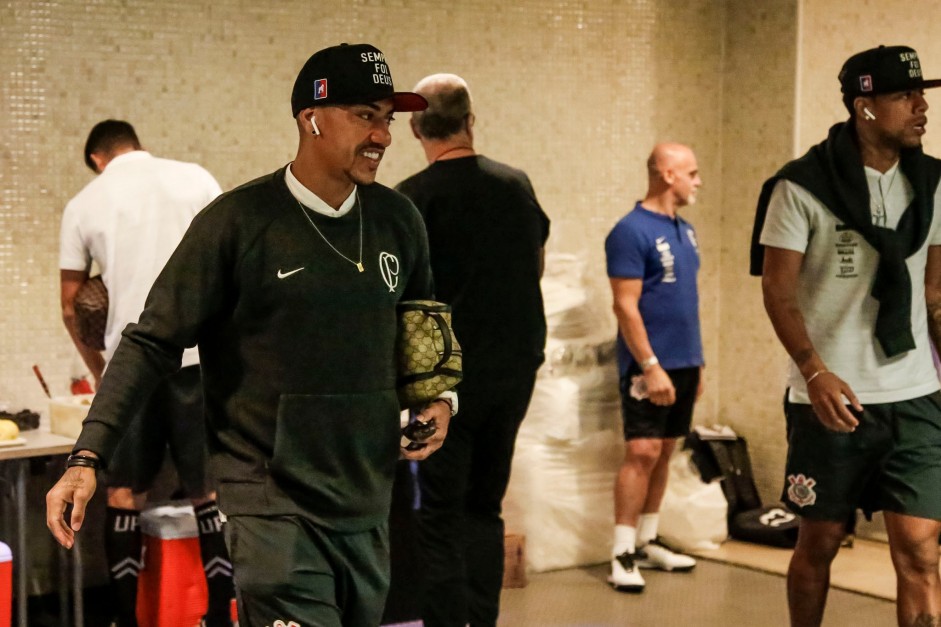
(288,285)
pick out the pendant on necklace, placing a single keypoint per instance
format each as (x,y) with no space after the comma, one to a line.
(359,266)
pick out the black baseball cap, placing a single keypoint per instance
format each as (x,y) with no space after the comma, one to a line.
(883,70)
(349,74)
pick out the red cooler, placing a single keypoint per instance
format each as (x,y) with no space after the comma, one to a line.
(6,585)
(171,591)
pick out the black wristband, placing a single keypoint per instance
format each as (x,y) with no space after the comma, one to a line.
(85,461)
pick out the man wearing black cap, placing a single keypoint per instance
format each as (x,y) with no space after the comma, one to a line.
(852,283)
(288,285)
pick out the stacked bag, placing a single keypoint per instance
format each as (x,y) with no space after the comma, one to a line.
(719,453)
(571,443)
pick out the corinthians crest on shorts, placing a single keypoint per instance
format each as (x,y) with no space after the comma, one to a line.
(801,491)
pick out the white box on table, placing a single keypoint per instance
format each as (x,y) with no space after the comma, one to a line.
(66,414)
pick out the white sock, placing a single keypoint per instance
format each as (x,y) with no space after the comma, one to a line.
(647,527)
(625,539)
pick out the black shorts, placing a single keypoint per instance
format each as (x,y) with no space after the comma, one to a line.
(643,419)
(172,419)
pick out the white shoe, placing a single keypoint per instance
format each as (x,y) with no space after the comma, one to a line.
(625,576)
(655,555)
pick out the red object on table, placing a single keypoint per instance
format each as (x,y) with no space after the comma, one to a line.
(81,386)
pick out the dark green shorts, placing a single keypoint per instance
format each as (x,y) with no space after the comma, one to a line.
(891,462)
(287,568)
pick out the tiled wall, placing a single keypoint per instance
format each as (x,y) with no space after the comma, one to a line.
(834,30)
(574,92)
(757,138)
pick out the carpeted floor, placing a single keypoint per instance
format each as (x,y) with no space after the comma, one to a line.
(865,568)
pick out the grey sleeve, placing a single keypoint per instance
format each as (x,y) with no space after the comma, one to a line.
(787,224)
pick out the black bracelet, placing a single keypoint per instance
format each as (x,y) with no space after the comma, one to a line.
(85,461)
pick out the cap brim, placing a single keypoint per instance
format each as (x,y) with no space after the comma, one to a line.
(409,101)
(932,83)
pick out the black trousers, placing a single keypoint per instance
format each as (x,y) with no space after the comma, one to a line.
(462,488)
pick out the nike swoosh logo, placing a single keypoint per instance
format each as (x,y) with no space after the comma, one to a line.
(284,275)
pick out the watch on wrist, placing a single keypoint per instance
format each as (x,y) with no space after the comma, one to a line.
(650,361)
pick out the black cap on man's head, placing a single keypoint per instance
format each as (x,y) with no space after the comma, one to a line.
(349,74)
(883,70)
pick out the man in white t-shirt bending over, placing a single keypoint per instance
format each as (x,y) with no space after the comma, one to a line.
(128,220)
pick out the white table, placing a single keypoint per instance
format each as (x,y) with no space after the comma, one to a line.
(38,444)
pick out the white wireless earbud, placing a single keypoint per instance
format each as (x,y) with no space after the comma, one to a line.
(868,114)
(313,122)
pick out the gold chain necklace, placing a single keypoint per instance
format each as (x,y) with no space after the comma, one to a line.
(359,203)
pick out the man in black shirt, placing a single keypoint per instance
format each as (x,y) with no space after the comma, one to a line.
(280,283)
(486,232)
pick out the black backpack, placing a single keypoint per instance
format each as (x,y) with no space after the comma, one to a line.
(726,457)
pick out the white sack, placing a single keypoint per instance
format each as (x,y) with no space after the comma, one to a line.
(693,515)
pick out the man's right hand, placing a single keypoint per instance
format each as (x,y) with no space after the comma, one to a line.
(828,394)
(75,487)
(660,388)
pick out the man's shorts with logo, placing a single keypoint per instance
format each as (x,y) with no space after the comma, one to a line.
(891,462)
(643,419)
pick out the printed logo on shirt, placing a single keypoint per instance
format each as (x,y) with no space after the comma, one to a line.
(389,267)
(666,260)
(846,249)
(320,89)
(284,275)
(691,234)
(801,491)
(281,623)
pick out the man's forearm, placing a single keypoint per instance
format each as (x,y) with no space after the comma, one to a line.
(635,336)
(93,359)
(788,323)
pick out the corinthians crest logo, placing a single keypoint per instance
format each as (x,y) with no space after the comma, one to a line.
(389,267)
(801,491)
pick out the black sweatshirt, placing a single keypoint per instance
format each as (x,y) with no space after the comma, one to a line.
(296,349)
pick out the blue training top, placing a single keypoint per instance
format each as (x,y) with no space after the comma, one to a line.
(663,252)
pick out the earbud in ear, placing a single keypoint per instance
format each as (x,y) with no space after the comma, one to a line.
(313,123)
(868,114)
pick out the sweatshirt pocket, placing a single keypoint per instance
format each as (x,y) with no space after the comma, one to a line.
(336,453)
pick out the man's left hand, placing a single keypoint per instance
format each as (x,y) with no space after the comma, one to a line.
(440,412)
